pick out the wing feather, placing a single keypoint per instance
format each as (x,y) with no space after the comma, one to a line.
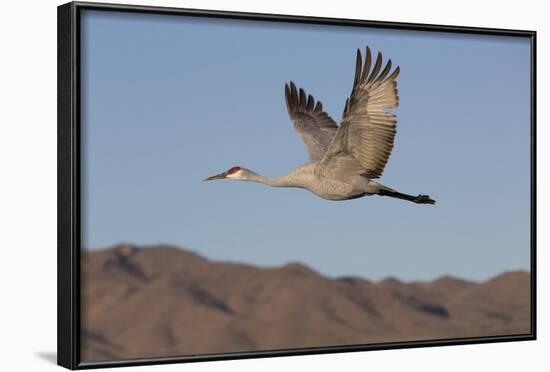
(367,130)
(314,126)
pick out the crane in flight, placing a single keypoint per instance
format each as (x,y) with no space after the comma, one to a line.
(344,160)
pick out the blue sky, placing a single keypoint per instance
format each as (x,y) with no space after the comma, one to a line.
(167,101)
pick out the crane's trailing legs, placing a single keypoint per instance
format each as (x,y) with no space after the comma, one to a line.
(418,199)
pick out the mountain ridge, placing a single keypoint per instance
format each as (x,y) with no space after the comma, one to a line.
(166,301)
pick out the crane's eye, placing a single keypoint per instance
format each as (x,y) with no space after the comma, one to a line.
(233,170)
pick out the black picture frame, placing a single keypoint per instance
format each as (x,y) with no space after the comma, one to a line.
(68,321)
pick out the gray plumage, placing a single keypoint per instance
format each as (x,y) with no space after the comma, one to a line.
(314,126)
(343,160)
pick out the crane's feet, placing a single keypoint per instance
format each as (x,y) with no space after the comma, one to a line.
(423,199)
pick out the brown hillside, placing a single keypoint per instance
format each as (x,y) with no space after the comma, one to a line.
(164,301)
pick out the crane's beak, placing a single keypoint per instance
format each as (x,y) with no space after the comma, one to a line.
(216,177)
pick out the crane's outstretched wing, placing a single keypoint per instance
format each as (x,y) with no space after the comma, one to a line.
(367,131)
(314,126)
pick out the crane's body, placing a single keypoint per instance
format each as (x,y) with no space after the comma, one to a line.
(305,177)
(343,160)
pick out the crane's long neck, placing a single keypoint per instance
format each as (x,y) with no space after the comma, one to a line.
(282,181)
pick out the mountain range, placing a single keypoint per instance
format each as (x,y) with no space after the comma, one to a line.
(166,301)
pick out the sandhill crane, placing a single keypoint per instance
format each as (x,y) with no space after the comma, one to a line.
(343,160)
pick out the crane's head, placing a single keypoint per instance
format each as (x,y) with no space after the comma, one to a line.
(233,173)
